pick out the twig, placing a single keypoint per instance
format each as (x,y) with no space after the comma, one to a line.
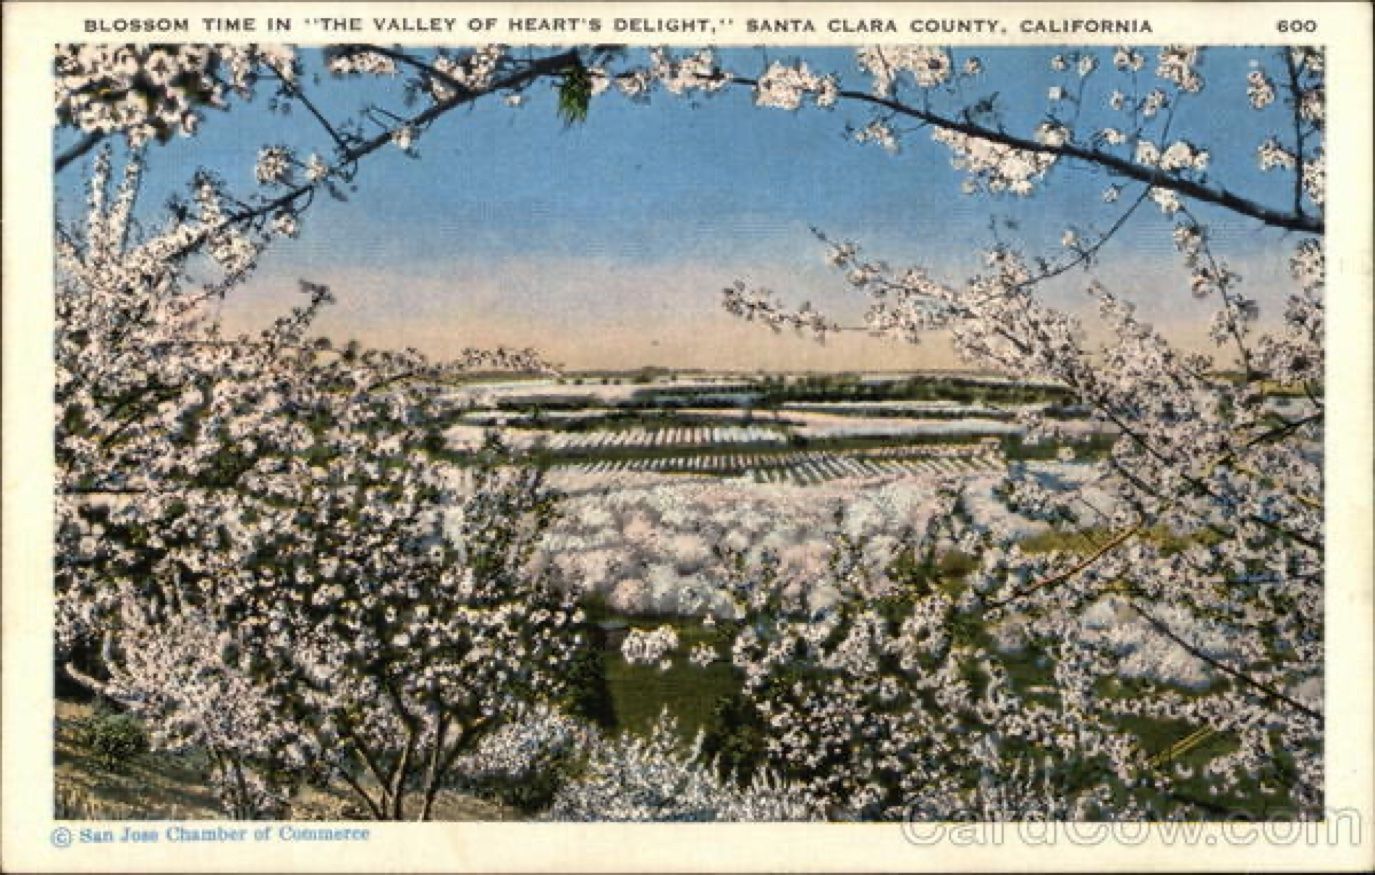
(1068,573)
(1223,667)
(77,149)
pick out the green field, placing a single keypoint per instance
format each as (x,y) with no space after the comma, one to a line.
(690,693)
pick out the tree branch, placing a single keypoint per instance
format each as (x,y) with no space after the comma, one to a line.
(1122,167)
(1282,430)
(547,66)
(373,807)
(1295,93)
(1070,572)
(295,91)
(397,787)
(77,149)
(1229,302)
(433,769)
(1223,667)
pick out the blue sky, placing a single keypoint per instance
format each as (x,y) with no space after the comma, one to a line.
(607,243)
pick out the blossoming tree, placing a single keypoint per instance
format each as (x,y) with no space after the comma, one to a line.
(1197,597)
(254,553)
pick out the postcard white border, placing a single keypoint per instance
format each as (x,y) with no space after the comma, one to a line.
(30,30)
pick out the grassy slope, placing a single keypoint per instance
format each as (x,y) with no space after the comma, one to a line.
(160,785)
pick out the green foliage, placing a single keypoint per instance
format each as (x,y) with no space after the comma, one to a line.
(112,737)
(735,737)
(533,790)
(575,95)
(961,390)
(588,693)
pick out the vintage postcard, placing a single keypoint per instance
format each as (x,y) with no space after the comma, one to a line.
(687,437)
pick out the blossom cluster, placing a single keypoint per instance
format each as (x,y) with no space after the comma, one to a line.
(473,72)
(1179,155)
(1178,65)
(648,648)
(1260,90)
(880,132)
(680,75)
(783,86)
(927,66)
(633,778)
(155,92)
(997,167)
(360,62)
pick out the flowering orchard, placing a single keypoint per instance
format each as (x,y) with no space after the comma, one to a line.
(258,555)
(807,467)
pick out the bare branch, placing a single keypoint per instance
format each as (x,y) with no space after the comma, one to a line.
(1120,166)
(1070,572)
(541,67)
(77,149)
(1223,667)
(1296,95)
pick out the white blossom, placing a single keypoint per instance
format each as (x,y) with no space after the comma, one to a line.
(1271,154)
(878,132)
(275,165)
(1129,59)
(1260,90)
(928,66)
(645,648)
(783,87)
(1176,65)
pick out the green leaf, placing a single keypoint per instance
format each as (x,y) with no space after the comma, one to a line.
(575,95)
